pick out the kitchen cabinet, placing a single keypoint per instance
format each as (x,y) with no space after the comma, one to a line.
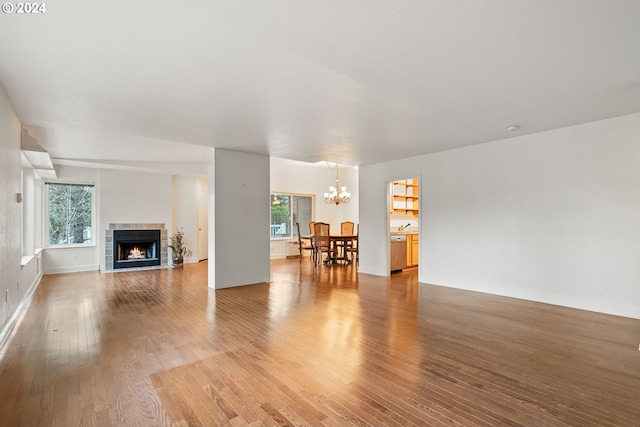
(412,250)
(404,196)
(404,251)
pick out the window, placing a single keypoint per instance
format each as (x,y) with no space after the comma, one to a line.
(70,212)
(286,210)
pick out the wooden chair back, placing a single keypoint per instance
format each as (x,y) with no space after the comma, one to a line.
(303,245)
(353,248)
(321,235)
(322,242)
(299,235)
(346,228)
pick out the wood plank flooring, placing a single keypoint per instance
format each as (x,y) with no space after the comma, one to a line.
(319,346)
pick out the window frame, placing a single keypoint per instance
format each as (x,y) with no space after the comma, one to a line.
(294,233)
(47,214)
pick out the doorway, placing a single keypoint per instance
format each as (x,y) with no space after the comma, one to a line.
(404,224)
(202,220)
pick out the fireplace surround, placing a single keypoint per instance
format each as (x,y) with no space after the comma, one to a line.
(136,248)
(135,245)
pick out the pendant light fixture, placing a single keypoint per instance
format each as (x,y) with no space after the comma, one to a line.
(337,194)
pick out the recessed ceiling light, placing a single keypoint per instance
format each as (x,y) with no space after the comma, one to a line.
(513,127)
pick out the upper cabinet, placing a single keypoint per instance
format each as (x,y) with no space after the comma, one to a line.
(405,196)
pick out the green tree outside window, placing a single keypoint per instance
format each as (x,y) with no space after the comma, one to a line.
(70,214)
(286,210)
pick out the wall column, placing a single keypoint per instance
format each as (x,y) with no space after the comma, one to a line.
(238,219)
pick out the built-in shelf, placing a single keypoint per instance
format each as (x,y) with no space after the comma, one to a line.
(405,196)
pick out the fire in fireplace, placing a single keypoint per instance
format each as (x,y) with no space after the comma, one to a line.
(136,248)
(137,253)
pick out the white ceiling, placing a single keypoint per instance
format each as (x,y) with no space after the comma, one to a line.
(358,82)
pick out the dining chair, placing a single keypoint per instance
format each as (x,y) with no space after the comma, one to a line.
(305,244)
(353,249)
(346,229)
(322,241)
(312,230)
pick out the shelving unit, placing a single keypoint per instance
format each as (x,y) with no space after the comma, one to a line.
(405,196)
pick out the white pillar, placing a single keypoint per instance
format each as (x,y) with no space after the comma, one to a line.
(238,219)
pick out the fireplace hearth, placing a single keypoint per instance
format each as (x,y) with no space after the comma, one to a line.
(136,248)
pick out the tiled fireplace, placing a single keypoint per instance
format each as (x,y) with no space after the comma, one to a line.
(135,245)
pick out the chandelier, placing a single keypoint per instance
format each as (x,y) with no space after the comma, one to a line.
(337,194)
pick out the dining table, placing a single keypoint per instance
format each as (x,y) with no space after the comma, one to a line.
(334,240)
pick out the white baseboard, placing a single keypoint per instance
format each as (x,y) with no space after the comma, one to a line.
(73,269)
(15,317)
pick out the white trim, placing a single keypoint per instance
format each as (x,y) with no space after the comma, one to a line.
(73,246)
(20,308)
(45,218)
(74,269)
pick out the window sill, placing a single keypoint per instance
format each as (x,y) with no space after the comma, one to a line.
(26,260)
(77,246)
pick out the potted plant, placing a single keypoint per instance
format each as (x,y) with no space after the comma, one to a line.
(179,248)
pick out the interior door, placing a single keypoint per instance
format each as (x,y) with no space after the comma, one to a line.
(203,221)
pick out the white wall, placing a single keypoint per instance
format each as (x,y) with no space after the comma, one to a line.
(239,219)
(32,215)
(28,209)
(185,213)
(201,243)
(133,197)
(15,286)
(300,178)
(550,217)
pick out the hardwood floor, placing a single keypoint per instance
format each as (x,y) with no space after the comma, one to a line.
(317,346)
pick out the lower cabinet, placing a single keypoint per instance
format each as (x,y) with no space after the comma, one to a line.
(412,250)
